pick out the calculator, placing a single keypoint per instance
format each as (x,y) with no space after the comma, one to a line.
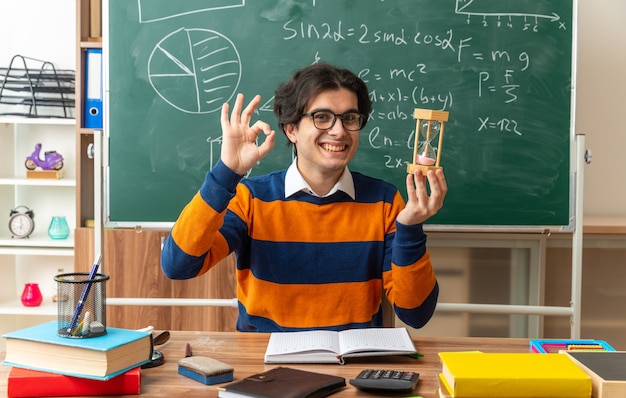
(385,379)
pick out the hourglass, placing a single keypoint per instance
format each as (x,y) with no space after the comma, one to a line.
(428,140)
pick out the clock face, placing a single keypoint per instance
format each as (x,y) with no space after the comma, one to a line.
(21,225)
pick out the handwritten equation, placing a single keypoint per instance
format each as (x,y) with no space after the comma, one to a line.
(496,74)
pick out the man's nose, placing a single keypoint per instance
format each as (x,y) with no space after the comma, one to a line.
(337,129)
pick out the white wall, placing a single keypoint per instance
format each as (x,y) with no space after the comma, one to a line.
(42,29)
(601,103)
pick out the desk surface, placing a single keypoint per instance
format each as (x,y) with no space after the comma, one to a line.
(245,351)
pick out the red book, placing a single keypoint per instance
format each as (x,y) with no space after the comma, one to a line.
(33,383)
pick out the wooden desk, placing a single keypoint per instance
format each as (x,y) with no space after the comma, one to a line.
(244,351)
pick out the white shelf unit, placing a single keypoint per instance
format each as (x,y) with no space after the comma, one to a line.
(36,259)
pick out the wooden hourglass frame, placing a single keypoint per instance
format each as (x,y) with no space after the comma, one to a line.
(421,159)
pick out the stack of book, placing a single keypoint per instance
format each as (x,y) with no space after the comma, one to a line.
(511,375)
(47,365)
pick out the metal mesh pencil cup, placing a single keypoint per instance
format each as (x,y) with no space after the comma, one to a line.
(81,318)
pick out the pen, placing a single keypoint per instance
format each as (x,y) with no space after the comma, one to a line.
(83,296)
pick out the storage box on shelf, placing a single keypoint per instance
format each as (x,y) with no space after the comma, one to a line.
(37,258)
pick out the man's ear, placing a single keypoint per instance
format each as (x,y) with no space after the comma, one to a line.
(290,132)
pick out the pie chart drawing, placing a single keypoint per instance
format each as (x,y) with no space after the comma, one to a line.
(195,70)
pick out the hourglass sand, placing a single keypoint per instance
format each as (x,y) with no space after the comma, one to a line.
(428,140)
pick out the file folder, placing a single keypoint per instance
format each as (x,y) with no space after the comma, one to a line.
(93,89)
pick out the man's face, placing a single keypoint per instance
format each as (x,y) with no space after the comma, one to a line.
(325,151)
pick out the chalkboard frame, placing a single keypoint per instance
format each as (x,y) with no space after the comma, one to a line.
(565,223)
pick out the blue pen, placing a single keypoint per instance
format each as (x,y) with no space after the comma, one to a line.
(83,296)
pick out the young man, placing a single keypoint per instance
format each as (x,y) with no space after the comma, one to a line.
(316,244)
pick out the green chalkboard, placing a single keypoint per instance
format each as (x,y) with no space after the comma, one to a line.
(502,68)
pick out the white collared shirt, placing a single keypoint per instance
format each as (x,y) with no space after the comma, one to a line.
(294,182)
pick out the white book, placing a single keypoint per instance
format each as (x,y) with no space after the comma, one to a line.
(327,346)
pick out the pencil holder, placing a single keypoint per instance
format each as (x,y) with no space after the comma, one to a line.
(81,305)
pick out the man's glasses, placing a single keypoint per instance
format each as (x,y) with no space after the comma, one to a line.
(325,120)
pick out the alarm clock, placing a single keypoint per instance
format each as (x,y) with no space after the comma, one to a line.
(21,222)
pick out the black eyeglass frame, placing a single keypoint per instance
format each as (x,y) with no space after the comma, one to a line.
(335,116)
